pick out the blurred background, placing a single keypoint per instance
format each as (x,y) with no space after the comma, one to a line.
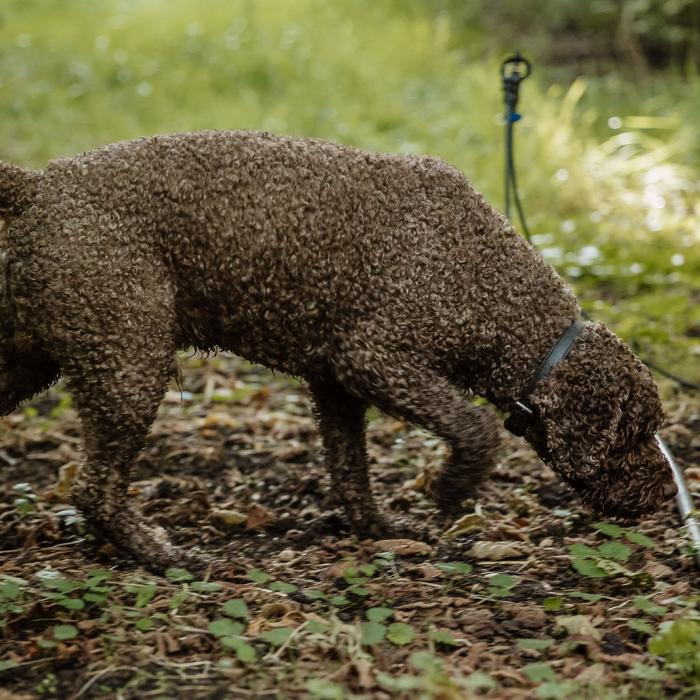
(608,150)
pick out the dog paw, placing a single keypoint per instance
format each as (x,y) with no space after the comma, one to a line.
(150,546)
(193,560)
(373,526)
(382,527)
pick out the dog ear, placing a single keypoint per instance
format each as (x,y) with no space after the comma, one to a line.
(580,426)
(584,403)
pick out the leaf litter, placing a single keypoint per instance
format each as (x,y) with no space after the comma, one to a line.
(526,595)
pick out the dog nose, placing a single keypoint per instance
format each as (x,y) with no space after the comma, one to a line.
(669,489)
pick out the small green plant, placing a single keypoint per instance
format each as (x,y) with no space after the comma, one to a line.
(12,591)
(258,576)
(175,575)
(71,519)
(431,680)
(454,572)
(143,593)
(357,576)
(502,585)
(374,631)
(608,559)
(229,636)
(25,501)
(74,594)
(443,638)
(237,608)
(48,685)
(553,603)
(539,645)
(324,689)
(277,636)
(678,643)
(455,568)
(550,686)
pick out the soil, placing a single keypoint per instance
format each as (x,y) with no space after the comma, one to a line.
(234,443)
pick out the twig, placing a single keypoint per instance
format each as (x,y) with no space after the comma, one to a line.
(99,675)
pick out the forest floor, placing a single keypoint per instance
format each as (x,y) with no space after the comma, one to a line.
(531,597)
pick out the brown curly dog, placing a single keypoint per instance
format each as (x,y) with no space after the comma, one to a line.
(380,279)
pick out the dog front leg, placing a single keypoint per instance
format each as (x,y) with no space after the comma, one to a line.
(417,393)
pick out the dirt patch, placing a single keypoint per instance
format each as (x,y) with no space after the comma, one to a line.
(233,467)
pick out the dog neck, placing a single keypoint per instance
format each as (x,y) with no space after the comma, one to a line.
(514,367)
(523,411)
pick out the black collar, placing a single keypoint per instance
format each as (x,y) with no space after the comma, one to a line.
(523,411)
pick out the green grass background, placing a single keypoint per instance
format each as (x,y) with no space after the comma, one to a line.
(608,166)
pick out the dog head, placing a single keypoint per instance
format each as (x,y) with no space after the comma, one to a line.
(597,415)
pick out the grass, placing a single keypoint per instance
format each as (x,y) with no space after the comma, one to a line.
(608,167)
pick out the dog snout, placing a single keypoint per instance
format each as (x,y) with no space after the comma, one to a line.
(669,490)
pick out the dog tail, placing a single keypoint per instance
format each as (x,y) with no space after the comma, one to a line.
(18,187)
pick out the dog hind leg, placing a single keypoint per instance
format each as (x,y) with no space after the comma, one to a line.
(117,414)
(117,369)
(341,420)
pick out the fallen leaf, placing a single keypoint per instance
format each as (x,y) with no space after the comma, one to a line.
(428,571)
(530,616)
(60,492)
(478,623)
(403,548)
(594,673)
(337,570)
(421,483)
(658,570)
(228,517)
(495,551)
(363,668)
(578,625)
(218,419)
(274,615)
(467,523)
(259,516)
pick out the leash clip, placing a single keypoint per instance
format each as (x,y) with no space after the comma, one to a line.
(519,419)
(513,71)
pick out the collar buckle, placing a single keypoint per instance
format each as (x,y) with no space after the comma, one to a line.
(523,411)
(519,419)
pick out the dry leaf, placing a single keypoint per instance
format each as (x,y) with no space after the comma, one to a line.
(576,625)
(218,419)
(365,678)
(259,516)
(421,483)
(428,571)
(531,616)
(66,476)
(658,570)
(495,551)
(467,523)
(595,673)
(403,548)
(478,623)
(279,614)
(229,518)
(337,570)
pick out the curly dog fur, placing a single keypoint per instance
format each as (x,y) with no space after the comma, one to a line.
(380,279)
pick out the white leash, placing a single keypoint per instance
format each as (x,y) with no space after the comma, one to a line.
(684,501)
